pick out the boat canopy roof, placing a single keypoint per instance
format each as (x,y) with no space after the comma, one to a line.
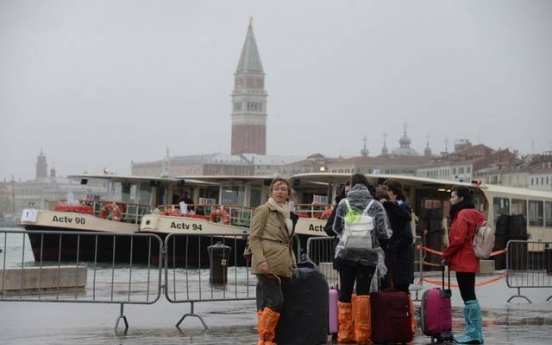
(339,178)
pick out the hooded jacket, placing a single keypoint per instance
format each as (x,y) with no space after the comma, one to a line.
(359,197)
(459,252)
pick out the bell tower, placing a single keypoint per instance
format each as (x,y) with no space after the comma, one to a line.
(249,101)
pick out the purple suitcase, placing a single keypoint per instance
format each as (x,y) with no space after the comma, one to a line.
(332,312)
(436,312)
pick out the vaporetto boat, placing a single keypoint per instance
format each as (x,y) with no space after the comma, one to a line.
(139,204)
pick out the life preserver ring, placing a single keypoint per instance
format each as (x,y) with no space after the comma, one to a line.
(172,212)
(113,208)
(223,216)
(326,214)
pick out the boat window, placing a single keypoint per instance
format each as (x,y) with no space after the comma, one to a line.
(162,195)
(125,192)
(500,206)
(479,202)
(232,195)
(145,194)
(114,191)
(256,194)
(519,207)
(536,213)
(548,214)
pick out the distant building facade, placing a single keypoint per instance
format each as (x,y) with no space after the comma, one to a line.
(7,204)
(46,190)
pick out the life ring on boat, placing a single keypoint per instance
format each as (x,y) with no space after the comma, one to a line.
(115,210)
(326,214)
(174,213)
(222,214)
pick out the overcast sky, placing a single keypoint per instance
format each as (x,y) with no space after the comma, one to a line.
(103,83)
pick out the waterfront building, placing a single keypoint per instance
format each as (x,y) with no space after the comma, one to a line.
(466,163)
(540,172)
(7,205)
(46,190)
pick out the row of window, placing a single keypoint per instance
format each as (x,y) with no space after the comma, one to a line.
(537,213)
(544,181)
(461,170)
(251,106)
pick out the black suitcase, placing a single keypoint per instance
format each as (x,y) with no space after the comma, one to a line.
(304,315)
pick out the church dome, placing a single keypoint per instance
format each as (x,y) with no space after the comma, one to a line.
(404,149)
(404,140)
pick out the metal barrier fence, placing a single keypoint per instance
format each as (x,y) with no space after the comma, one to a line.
(117,268)
(529,265)
(321,251)
(83,267)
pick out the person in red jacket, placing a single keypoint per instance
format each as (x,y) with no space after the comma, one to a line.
(464,219)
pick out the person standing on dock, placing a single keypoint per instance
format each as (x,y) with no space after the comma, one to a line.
(273,259)
(459,254)
(360,223)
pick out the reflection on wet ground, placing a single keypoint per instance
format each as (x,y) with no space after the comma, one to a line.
(229,323)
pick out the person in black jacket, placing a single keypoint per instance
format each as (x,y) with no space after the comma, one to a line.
(328,228)
(399,256)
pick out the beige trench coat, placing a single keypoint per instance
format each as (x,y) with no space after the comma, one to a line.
(270,242)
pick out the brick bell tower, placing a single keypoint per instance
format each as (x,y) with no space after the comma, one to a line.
(249,101)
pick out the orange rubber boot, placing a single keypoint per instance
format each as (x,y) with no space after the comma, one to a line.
(363,320)
(259,313)
(412,316)
(267,326)
(346,334)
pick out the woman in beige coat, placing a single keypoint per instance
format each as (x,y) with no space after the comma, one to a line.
(272,256)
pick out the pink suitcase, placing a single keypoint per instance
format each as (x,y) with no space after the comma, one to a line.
(436,312)
(332,312)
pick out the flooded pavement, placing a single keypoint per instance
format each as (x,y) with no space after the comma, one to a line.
(233,322)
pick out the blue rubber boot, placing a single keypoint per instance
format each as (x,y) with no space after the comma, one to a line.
(474,324)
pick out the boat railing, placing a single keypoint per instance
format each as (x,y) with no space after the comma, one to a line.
(314,210)
(235,215)
(126,212)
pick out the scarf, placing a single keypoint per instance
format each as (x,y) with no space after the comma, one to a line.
(284,210)
(461,205)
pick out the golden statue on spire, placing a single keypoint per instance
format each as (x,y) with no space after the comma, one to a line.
(250,20)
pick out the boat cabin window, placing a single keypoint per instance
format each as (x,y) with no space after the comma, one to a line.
(126,192)
(548,214)
(162,196)
(500,206)
(519,207)
(145,194)
(536,213)
(114,191)
(232,195)
(479,202)
(256,196)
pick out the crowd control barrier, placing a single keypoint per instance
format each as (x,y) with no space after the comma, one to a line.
(118,268)
(528,265)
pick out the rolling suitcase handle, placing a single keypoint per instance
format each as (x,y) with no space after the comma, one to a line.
(445,292)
